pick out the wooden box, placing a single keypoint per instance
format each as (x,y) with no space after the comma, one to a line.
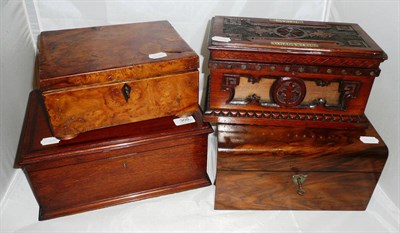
(110,166)
(290,72)
(281,168)
(98,77)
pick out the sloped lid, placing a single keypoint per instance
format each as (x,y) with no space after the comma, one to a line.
(293,37)
(93,144)
(277,148)
(101,54)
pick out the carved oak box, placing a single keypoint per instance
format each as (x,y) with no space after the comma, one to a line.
(98,77)
(297,168)
(113,165)
(290,72)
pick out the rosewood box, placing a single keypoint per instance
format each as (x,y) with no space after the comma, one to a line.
(290,72)
(98,77)
(294,168)
(110,166)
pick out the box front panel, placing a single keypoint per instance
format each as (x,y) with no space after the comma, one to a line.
(78,110)
(118,179)
(293,92)
(252,89)
(291,191)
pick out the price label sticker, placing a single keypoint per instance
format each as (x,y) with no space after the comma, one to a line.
(369,140)
(221,39)
(49,141)
(184,120)
(157,55)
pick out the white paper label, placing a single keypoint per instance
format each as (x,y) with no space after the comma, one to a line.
(157,55)
(49,141)
(184,120)
(369,140)
(221,39)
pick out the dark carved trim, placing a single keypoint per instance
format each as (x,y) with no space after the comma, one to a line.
(249,99)
(326,70)
(322,83)
(247,29)
(288,91)
(279,115)
(348,89)
(229,82)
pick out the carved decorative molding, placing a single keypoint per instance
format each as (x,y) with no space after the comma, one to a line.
(242,29)
(294,59)
(229,82)
(278,115)
(289,92)
(289,69)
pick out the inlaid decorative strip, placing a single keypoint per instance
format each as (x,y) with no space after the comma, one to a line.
(290,69)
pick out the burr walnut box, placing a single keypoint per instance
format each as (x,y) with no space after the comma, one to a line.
(295,168)
(110,166)
(290,72)
(98,77)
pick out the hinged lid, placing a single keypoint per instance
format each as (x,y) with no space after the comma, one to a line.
(98,144)
(88,56)
(292,37)
(273,148)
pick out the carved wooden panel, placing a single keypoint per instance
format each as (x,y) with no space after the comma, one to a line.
(288,92)
(245,29)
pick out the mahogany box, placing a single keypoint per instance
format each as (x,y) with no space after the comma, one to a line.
(104,76)
(295,168)
(290,72)
(113,165)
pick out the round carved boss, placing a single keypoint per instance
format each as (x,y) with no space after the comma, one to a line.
(288,92)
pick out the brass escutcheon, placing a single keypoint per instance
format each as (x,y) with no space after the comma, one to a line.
(299,180)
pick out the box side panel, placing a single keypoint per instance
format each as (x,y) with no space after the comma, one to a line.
(78,110)
(278,191)
(76,188)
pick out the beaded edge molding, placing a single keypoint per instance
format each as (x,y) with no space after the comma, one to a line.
(290,69)
(361,119)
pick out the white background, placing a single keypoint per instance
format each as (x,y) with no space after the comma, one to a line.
(21,21)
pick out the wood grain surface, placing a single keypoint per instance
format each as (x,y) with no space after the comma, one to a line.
(115,53)
(277,191)
(83,109)
(267,148)
(255,166)
(110,166)
(314,39)
(338,62)
(82,73)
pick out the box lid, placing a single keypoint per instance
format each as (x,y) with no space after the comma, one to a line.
(87,56)
(97,144)
(296,149)
(292,37)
